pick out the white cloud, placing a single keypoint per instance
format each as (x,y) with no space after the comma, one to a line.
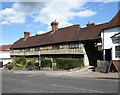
(58,0)
(29,7)
(103,1)
(46,12)
(18,12)
(41,32)
(63,12)
(4,22)
(10,15)
(86,13)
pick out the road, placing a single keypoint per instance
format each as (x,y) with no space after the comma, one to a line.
(32,83)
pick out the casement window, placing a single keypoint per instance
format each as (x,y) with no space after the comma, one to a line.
(116,40)
(37,49)
(55,46)
(73,45)
(27,50)
(21,50)
(117,51)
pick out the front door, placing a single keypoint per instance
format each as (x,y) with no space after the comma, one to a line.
(108,54)
(1,64)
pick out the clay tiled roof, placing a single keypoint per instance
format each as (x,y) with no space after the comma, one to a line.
(115,21)
(5,47)
(116,35)
(93,32)
(61,35)
(67,34)
(90,32)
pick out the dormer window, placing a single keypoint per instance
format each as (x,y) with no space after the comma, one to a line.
(56,46)
(37,49)
(73,45)
(21,50)
(116,40)
(27,50)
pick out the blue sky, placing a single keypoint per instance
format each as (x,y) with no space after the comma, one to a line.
(35,17)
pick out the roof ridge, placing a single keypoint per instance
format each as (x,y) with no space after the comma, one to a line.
(95,25)
(51,31)
(5,45)
(69,26)
(117,14)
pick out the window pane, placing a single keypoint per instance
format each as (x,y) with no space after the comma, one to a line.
(55,46)
(73,45)
(117,51)
(37,49)
(27,50)
(117,48)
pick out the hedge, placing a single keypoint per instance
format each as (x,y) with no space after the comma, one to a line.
(46,63)
(69,63)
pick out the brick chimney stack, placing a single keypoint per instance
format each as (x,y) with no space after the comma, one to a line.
(26,34)
(54,25)
(90,24)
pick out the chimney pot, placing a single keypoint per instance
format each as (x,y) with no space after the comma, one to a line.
(26,34)
(54,25)
(90,24)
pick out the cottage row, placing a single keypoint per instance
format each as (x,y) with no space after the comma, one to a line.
(92,43)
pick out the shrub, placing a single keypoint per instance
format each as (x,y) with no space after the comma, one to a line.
(9,66)
(20,61)
(69,63)
(23,60)
(32,65)
(46,63)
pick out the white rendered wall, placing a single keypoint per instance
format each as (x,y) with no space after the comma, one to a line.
(4,54)
(107,34)
(115,43)
(5,57)
(108,41)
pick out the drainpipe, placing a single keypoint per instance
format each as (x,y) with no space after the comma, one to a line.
(103,47)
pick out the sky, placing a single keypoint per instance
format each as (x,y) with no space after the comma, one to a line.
(36,17)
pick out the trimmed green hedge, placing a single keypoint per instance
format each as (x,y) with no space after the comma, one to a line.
(69,63)
(46,63)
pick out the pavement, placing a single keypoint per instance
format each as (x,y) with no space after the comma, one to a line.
(86,72)
(53,82)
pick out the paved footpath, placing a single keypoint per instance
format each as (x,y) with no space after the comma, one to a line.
(75,73)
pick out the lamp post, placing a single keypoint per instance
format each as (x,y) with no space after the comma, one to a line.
(39,61)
